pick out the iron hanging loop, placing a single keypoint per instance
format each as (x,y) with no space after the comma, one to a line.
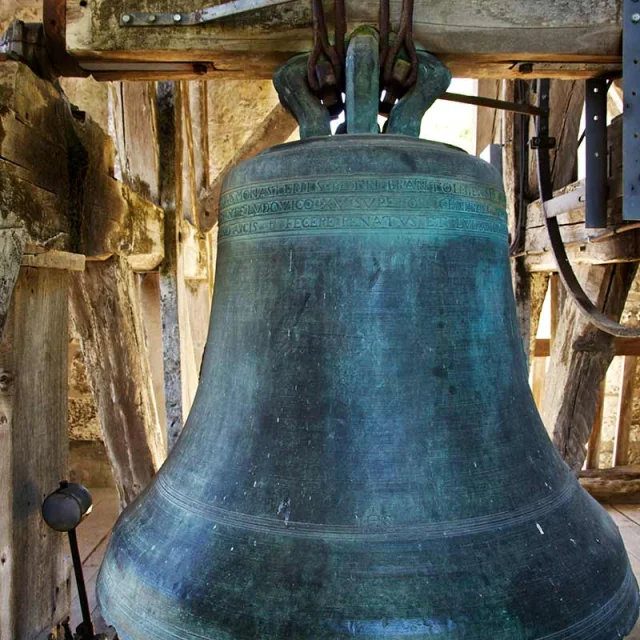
(384,28)
(322,46)
(404,40)
(594,315)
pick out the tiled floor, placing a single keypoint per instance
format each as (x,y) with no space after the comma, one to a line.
(93,535)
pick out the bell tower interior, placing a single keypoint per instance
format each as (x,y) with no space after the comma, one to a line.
(319,319)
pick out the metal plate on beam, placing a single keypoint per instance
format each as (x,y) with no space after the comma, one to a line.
(596,154)
(631,126)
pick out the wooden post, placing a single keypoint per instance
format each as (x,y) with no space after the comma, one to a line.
(34,569)
(108,318)
(149,291)
(625,411)
(539,367)
(529,288)
(168,163)
(593,446)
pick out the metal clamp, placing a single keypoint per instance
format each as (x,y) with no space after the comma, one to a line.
(201,16)
(543,142)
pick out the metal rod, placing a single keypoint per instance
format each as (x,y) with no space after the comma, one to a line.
(87,624)
(202,16)
(503,105)
(596,154)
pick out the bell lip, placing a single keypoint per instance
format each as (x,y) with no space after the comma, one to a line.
(368,137)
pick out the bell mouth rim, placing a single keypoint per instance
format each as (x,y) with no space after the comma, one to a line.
(381,139)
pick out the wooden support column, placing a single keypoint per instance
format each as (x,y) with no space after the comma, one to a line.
(529,289)
(625,411)
(593,446)
(580,357)
(108,318)
(34,567)
(168,163)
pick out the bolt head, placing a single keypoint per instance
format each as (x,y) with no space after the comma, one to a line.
(126,18)
(151,18)
(635,18)
(177,17)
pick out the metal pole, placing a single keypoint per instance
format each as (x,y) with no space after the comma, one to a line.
(87,624)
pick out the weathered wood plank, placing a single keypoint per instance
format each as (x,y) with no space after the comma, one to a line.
(625,411)
(619,243)
(168,180)
(57,181)
(608,248)
(622,347)
(149,289)
(580,357)
(539,367)
(593,446)
(33,457)
(465,35)
(11,248)
(618,485)
(107,315)
(54,260)
(114,218)
(529,288)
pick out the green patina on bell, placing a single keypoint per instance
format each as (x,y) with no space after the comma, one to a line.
(364,457)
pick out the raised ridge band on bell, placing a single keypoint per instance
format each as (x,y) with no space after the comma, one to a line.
(404,532)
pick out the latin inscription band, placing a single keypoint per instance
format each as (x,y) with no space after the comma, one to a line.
(360,203)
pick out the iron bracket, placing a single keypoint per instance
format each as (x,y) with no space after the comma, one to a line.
(631,117)
(543,142)
(201,16)
(597,188)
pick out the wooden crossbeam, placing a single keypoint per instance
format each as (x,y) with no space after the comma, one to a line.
(486,39)
(57,180)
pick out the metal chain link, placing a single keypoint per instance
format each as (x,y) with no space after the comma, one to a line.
(325,67)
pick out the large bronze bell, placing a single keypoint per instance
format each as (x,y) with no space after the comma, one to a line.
(364,457)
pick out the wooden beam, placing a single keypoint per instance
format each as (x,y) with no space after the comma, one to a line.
(54,260)
(580,357)
(487,39)
(57,181)
(622,347)
(620,242)
(625,411)
(108,318)
(615,486)
(34,568)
